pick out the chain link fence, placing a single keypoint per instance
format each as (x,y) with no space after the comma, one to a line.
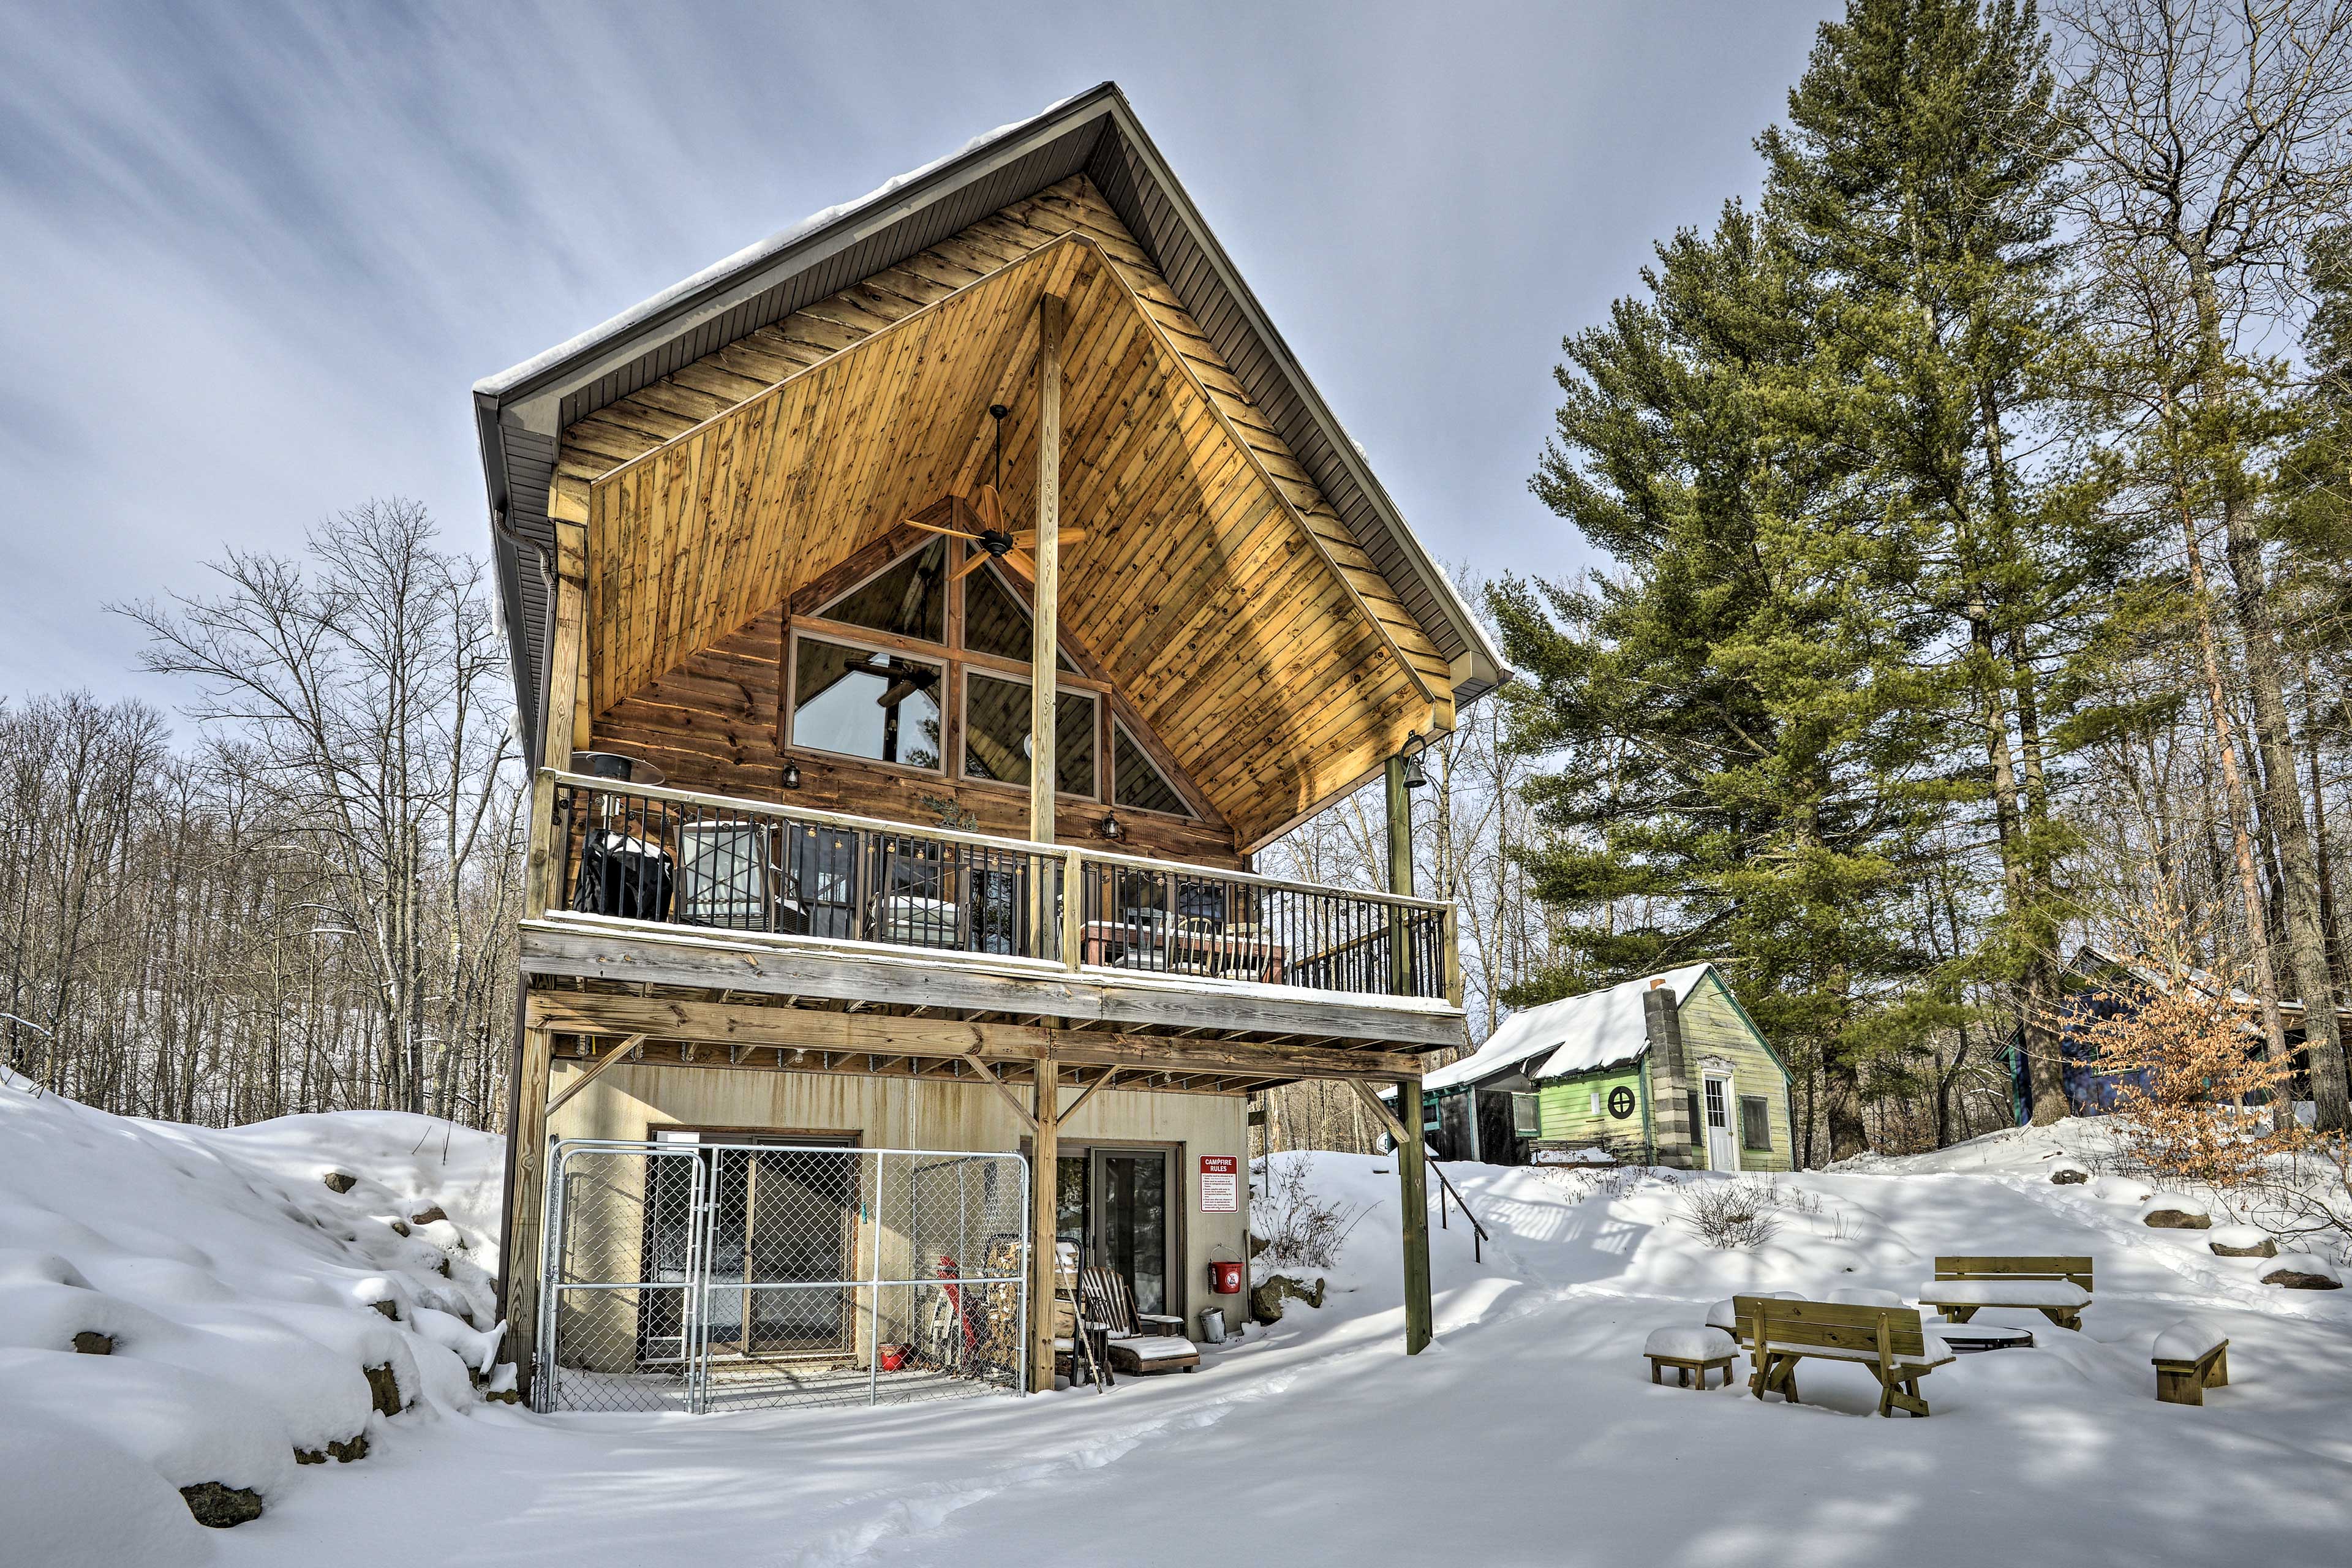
(700,1276)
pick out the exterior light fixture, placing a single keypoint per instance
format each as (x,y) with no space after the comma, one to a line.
(791,776)
(1111,828)
(1413,746)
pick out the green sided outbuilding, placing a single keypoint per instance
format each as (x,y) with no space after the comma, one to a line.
(1667,1070)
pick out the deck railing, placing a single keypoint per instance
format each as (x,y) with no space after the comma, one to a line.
(681,859)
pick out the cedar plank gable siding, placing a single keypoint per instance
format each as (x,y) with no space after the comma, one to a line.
(1381,662)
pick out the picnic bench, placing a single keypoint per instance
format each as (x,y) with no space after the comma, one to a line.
(1891,1342)
(2057,1288)
(1138,1342)
(2189,1359)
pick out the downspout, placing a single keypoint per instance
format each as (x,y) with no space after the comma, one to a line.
(518,544)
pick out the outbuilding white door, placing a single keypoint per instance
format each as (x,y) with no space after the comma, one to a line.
(1722,1148)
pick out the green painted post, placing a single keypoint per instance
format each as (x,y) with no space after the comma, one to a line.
(1413,1190)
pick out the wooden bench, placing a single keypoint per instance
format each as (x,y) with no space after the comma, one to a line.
(2057,1288)
(1139,1344)
(1689,1351)
(2189,1359)
(1890,1342)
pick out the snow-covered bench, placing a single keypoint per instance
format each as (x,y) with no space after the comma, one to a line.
(1688,1350)
(2057,1288)
(1890,1341)
(2189,1359)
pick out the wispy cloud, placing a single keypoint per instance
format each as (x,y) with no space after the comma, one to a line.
(256,254)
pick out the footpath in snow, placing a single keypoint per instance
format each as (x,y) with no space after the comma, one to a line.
(1528,1433)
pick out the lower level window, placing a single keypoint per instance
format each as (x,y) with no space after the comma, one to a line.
(1755,1123)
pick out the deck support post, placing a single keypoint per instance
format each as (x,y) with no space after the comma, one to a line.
(1046,1148)
(525,1200)
(1413,1192)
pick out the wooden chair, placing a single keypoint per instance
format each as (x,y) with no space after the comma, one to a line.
(1890,1341)
(2057,1288)
(1150,1342)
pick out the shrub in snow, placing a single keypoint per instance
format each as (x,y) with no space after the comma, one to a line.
(2175,1211)
(2243,1241)
(1726,1214)
(1299,1228)
(2184,1039)
(2304,1271)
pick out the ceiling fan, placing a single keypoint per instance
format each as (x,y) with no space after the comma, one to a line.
(994,541)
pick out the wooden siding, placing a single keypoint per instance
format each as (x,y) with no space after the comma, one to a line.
(1196,511)
(1566,1113)
(1713,1025)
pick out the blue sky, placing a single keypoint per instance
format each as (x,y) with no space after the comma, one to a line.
(256,256)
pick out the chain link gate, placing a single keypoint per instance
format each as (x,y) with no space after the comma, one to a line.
(700,1276)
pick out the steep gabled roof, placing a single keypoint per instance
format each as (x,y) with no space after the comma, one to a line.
(521,413)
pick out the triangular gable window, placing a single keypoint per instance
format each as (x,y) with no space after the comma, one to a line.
(1140,784)
(907,599)
(995,620)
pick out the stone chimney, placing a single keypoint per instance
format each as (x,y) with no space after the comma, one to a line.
(1670,1085)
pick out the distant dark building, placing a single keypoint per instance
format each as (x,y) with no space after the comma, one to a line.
(2102,983)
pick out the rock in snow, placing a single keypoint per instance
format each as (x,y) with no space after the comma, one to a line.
(2243,1241)
(203,1308)
(2304,1271)
(2177,1211)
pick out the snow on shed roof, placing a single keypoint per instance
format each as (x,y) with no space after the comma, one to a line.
(1576,1033)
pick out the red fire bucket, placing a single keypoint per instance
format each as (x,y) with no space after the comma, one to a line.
(893,1357)
(1225,1279)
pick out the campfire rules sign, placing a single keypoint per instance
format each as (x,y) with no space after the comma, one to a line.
(1221,1183)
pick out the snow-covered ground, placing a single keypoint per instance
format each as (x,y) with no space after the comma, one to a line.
(1529,1433)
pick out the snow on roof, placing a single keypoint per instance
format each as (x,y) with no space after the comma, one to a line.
(1576,1033)
(748,257)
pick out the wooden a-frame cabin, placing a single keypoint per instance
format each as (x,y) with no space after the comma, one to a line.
(778,554)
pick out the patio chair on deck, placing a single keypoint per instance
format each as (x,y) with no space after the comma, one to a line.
(727,877)
(1139,1342)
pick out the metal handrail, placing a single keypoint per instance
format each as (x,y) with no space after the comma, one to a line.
(1478,1232)
(980,841)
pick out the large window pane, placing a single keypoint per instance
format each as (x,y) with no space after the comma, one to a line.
(997,734)
(911,599)
(882,707)
(996,622)
(1139,782)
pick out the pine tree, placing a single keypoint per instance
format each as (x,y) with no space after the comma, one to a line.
(1918,176)
(1738,717)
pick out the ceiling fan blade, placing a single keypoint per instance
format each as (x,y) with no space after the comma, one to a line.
(973,562)
(1026,537)
(1070,535)
(1021,560)
(990,507)
(935,528)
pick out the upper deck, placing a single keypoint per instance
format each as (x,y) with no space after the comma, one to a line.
(675,894)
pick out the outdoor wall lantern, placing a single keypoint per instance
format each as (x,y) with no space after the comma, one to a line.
(792,778)
(1111,828)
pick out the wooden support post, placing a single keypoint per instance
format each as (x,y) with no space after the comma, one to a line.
(1399,815)
(1413,1192)
(1046,1149)
(1045,602)
(567,699)
(523,1204)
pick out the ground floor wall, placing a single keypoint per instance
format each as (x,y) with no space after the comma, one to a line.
(635,1103)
